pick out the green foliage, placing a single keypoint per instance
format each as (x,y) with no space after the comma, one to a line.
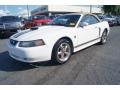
(112,9)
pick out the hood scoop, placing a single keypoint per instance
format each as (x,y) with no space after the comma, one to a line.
(34,28)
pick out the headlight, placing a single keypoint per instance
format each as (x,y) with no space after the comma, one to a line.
(18,24)
(31,43)
(21,24)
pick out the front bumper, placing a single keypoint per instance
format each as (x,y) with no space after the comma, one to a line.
(29,55)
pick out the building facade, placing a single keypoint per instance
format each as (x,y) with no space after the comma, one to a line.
(62,9)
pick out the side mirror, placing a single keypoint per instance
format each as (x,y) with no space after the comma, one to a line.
(82,24)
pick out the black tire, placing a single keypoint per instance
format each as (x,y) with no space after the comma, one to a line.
(1,36)
(55,56)
(104,38)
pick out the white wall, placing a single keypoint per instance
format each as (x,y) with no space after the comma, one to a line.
(65,8)
(62,8)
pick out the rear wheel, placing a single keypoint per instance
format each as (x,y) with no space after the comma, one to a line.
(104,37)
(62,51)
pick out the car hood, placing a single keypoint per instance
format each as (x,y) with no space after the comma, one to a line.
(38,33)
(9,22)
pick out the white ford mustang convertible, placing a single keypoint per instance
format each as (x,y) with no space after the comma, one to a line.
(57,41)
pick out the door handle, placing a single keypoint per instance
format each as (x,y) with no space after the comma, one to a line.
(96,27)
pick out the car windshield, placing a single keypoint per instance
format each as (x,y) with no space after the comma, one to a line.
(108,16)
(9,19)
(39,17)
(66,20)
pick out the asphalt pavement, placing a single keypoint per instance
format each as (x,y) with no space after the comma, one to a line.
(95,65)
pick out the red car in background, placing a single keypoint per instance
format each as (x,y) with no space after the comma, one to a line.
(36,20)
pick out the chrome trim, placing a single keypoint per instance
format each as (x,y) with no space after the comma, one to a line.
(86,43)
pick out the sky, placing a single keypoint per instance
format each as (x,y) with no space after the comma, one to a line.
(19,10)
(16,9)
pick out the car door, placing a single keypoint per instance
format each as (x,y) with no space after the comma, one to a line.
(88,29)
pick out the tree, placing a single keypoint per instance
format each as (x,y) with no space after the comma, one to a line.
(111,9)
(117,10)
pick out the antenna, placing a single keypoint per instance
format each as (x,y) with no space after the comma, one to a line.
(90,8)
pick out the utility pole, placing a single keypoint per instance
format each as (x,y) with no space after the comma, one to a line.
(90,8)
(28,11)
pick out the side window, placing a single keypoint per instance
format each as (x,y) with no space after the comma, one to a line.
(93,20)
(85,20)
(88,20)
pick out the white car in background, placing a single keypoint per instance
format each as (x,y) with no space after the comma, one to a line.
(57,41)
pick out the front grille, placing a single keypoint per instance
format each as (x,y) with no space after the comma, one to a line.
(7,25)
(13,42)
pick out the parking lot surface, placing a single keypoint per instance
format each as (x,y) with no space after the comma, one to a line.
(98,64)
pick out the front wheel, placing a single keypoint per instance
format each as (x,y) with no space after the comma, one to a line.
(1,35)
(104,38)
(62,51)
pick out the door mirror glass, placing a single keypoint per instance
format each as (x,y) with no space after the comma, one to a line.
(82,24)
